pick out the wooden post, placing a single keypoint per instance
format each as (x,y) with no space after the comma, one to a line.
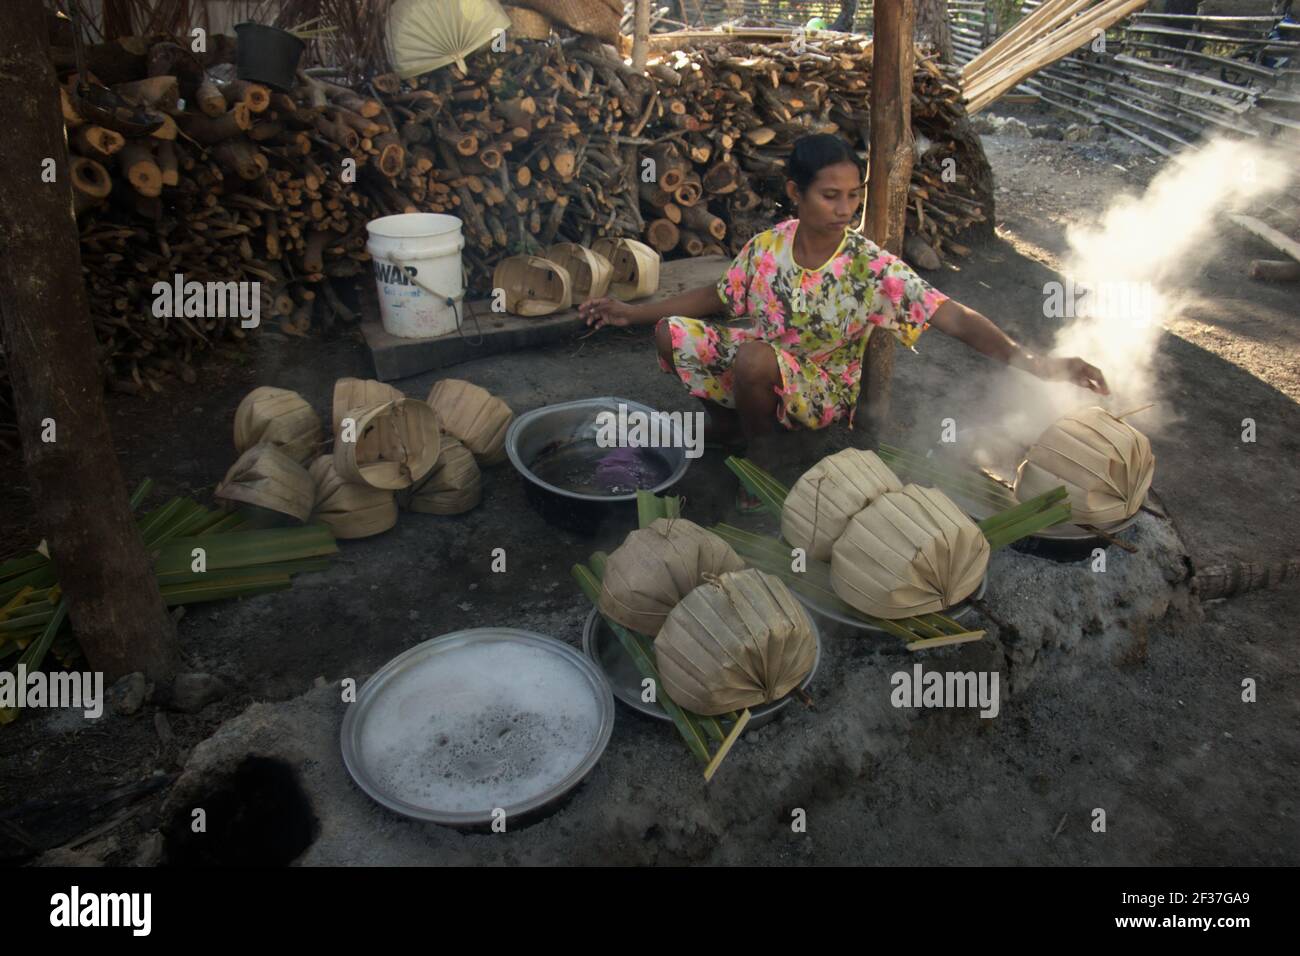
(640,35)
(932,27)
(891,170)
(81,500)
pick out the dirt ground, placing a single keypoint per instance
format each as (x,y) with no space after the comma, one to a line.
(1193,774)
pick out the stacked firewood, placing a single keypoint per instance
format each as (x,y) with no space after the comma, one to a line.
(547,142)
(238,184)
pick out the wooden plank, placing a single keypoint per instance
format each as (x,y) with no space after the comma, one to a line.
(1136,136)
(1108,110)
(1217,37)
(1266,232)
(1224,60)
(396,358)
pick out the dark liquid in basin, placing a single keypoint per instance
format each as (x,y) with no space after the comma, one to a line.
(586,468)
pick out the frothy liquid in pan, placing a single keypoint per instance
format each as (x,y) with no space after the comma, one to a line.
(481,726)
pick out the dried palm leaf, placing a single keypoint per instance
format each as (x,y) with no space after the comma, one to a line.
(656,567)
(738,640)
(909,552)
(829,494)
(474,415)
(1105,464)
(280,417)
(350,509)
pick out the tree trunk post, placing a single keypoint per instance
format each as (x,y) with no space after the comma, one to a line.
(891,171)
(82,507)
(640,34)
(932,27)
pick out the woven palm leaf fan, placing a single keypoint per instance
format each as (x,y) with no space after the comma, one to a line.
(265,477)
(278,417)
(589,271)
(533,285)
(736,641)
(424,35)
(909,552)
(1105,464)
(655,567)
(454,486)
(636,267)
(350,509)
(829,494)
(474,415)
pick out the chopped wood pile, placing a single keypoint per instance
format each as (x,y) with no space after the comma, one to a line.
(544,142)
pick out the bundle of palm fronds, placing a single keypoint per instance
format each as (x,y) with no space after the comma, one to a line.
(236,560)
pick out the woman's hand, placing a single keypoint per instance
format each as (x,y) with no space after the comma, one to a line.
(606,311)
(1074,370)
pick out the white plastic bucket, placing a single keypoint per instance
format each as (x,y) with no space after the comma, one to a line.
(417,265)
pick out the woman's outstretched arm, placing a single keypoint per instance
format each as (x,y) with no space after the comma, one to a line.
(977,331)
(696,304)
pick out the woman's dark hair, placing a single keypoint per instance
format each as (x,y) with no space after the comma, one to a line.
(816,151)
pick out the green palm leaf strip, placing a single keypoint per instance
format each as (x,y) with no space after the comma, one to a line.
(760,484)
(239,563)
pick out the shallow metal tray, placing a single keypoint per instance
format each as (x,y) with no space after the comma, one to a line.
(602,645)
(420,665)
(956,613)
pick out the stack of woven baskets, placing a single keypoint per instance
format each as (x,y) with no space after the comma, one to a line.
(388,450)
(570,273)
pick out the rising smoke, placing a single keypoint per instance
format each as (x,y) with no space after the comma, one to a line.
(1140,263)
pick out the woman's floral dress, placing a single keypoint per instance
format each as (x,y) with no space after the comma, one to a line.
(816,320)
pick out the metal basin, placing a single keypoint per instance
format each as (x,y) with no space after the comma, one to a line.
(548,429)
(469,725)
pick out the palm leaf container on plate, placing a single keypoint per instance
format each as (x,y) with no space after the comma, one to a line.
(919,632)
(738,640)
(1105,464)
(695,730)
(658,565)
(909,552)
(828,495)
